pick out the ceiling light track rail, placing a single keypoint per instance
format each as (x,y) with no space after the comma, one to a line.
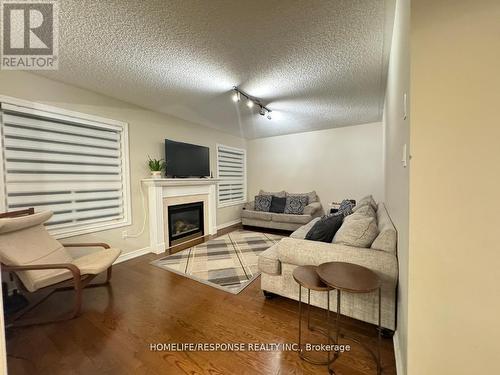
(251,101)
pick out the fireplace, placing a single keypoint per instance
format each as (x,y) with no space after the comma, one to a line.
(185,222)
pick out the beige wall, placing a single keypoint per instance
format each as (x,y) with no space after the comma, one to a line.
(454,279)
(337,163)
(396,135)
(147,131)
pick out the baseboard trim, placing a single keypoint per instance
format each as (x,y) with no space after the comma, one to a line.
(228,224)
(397,354)
(132,255)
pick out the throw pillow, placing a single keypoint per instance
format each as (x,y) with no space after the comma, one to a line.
(357,230)
(279,194)
(366,210)
(277,205)
(366,200)
(263,202)
(295,204)
(325,229)
(313,197)
(345,208)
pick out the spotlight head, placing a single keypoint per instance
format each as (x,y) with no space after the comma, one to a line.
(262,111)
(250,103)
(236,96)
(269,117)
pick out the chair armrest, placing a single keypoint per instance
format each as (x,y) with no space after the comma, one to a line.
(312,208)
(33,267)
(304,252)
(94,244)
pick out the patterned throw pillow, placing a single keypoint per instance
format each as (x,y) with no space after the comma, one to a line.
(295,204)
(263,202)
(345,208)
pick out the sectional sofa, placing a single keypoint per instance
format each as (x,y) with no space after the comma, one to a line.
(278,262)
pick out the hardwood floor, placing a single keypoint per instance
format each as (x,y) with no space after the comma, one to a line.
(145,305)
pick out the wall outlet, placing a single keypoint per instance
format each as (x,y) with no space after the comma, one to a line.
(404,160)
(124,234)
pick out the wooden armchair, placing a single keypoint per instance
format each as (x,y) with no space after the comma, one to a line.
(40,262)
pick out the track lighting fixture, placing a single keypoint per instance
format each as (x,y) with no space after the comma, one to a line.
(236,96)
(251,102)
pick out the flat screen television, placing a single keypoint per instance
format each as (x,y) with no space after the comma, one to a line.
(186,160)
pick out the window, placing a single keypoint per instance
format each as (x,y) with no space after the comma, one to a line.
(70,163)
(231,171)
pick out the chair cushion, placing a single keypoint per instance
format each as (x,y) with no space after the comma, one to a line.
(22,222)
(97,262)
(357,230)
(256,215)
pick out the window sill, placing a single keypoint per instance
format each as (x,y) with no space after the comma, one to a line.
(230,204)
(91,228)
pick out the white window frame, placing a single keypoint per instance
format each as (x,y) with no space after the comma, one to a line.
(244,200)
(82,118)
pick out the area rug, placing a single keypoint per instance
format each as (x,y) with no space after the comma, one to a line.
(228,262)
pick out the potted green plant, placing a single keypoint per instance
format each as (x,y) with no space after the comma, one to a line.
(156,166)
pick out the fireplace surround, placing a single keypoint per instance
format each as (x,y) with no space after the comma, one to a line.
(165,192)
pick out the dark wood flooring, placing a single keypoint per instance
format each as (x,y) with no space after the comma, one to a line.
(146,305)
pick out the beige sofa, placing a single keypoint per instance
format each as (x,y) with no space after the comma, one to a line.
(287,222)
(278,262)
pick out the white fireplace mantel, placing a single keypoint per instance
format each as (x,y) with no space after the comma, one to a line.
(158,189)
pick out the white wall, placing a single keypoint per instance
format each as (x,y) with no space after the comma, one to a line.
(337,163)
(396,135)
(147,132)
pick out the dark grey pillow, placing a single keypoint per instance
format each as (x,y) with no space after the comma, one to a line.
(325,228)
(263,202)
(278,205)
(295,204)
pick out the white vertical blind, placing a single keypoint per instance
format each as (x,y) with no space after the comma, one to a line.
(77,169)
(231,171)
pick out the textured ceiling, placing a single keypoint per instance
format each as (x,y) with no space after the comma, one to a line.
(316,64)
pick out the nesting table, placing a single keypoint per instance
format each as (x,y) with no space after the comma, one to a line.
(344,278)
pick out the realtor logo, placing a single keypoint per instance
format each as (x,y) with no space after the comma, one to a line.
(29,34)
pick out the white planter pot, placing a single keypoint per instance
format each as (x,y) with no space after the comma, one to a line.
(155,174)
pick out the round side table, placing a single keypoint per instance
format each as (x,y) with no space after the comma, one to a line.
(307,277)
(351,278)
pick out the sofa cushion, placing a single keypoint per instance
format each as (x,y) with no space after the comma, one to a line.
(277,205)
(304,229)
(313,197)
(325,229)
(263,203)
(295,204)
(387,238)
(366,210)
(268,261)
(357,230)
(366,200)
(290,218)
(256,215)
(279,194)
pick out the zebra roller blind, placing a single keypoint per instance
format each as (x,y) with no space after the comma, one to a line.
(72,166)
(231,171)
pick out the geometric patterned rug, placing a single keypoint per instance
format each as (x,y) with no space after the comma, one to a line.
(228,262)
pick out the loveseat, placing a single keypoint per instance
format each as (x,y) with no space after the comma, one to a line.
(278,262)
(282,221)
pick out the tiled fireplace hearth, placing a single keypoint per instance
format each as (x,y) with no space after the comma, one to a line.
(189,202)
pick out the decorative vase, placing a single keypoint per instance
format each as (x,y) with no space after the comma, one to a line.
(155,174)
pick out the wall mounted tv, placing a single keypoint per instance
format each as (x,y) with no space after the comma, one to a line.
(186,160)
